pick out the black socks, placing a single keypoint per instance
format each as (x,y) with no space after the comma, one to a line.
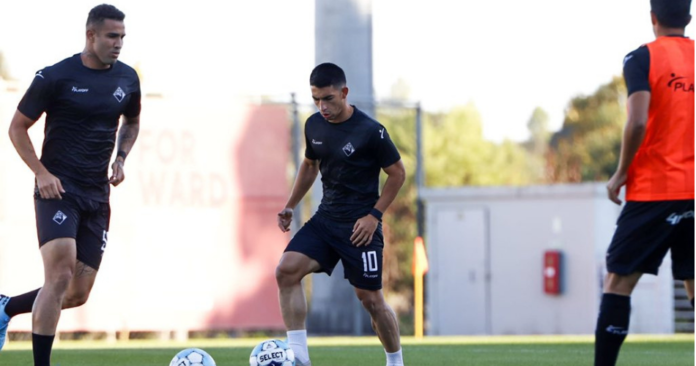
(42,346)
(612,328)
(21,304)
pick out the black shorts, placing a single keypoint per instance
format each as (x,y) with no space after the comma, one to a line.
(646,231)
(76,217)
(327,241)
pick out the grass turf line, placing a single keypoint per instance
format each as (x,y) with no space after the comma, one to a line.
(639,350)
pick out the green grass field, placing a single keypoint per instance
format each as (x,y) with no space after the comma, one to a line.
(677,350)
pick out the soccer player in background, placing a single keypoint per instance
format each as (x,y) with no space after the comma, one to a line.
(349,149)
(657,167)
(84,97)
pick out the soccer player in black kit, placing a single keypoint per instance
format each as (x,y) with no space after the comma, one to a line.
(350,149)
(83,96)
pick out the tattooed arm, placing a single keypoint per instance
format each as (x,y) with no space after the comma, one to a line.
(127,135)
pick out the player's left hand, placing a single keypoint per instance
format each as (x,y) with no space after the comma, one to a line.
(117,175)
(363,230)
(614,185)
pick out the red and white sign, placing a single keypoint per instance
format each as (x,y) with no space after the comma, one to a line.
(552,272)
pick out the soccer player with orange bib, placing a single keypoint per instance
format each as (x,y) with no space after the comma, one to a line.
(657,168)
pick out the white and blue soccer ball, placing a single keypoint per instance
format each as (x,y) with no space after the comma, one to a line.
(272,352)
(192,357)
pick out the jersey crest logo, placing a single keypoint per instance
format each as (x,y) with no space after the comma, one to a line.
(59,217)
(349,149)
(119,94)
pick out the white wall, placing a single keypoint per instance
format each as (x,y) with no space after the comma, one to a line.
(519,224)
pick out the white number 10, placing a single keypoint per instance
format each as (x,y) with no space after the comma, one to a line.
(370,261)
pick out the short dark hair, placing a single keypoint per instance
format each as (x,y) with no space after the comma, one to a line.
(327,74)
(104,11)
(672,13)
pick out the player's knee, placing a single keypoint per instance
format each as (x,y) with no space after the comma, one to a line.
(620,284)
(60,279)
(287,275)
(372,302)
(76,299)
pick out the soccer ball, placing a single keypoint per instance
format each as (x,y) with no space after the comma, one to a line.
(192,357)
(272,352)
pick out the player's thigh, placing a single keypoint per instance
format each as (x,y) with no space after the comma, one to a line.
(296,265)
(363,265)
(641,239)
(58,257)
(92,234)
(682,240)
(309,250)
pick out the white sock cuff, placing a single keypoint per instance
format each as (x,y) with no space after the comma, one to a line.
(297,336)
(394,358)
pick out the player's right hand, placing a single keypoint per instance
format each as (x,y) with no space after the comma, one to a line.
(284,219)
(49,186)
(614,185)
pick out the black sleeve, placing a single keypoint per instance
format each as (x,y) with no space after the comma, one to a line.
(38,97)
(636,70)
(387,154)
(133,107)
(309,151)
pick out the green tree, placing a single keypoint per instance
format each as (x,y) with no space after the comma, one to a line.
(455,154)
(588,145)
(538,126)
(538,143)
(400,223)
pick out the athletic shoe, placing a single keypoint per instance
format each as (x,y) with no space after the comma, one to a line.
(4,319)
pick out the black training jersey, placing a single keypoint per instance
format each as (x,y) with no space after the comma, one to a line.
(351,155)
(83,107)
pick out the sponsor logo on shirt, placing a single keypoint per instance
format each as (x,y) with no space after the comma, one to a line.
(316,142)
(119,94)
(679,83)
(79,90)
(59,217)
(349,149)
